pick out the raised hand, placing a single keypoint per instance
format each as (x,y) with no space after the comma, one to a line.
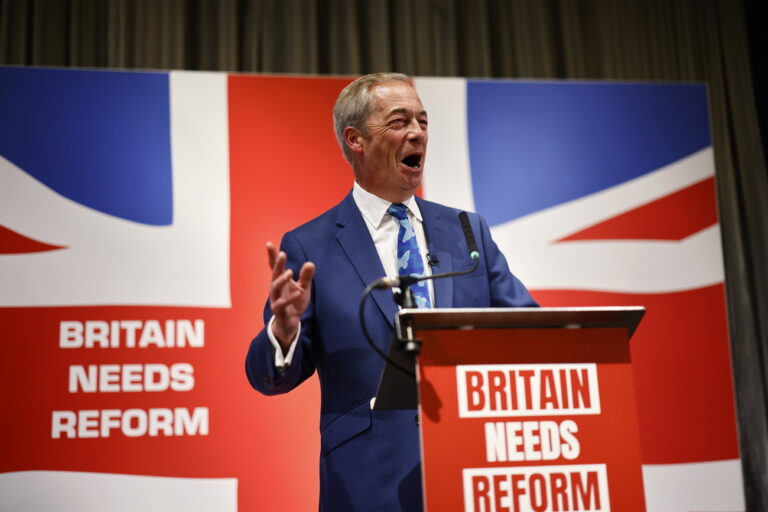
(288,298)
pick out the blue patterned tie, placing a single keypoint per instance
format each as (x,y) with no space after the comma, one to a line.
(409,260)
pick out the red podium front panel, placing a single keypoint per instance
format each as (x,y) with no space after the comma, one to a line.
(529,419)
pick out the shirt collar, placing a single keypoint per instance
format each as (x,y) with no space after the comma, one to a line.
(375,208)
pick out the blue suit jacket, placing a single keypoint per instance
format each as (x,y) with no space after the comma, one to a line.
(370,459)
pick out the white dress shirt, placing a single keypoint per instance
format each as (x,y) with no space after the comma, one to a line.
(383,228)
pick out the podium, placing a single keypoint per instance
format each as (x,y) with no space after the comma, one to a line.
(527,409)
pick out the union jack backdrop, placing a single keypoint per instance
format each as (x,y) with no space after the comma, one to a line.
(134,208)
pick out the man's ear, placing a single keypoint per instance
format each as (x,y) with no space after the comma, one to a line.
(353,139)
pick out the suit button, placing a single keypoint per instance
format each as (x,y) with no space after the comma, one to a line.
(417,419)
(267,380)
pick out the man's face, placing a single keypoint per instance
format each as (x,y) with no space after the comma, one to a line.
(394,147)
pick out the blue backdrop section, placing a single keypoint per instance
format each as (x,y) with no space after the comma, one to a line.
(99,138)
(547,143)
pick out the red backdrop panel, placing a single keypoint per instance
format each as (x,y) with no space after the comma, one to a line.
(285,169)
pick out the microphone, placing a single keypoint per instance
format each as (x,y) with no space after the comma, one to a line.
(469,236)
(432,260)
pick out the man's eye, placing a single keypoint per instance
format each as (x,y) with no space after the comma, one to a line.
(423,123)
(397,123)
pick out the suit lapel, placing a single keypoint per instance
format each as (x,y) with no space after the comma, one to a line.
(355,240)
(438,244)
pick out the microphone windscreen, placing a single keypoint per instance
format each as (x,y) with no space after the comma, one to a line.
(468,235)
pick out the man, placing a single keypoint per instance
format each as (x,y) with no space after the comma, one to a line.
(369,458)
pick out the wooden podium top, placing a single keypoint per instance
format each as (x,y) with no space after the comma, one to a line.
(511,318)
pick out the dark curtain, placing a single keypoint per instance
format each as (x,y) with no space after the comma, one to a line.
(667,40)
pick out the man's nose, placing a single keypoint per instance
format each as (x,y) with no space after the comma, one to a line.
(416,131)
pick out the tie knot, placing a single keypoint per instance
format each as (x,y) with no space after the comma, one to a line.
(398,211)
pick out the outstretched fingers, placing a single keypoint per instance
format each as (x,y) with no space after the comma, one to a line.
(271,254)
(277,260)
(306,274)
(281,303)
(280,283)
(286,295)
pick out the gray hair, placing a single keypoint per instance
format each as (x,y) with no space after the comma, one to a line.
(355,104)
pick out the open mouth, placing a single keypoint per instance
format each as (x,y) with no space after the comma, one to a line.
(413,161)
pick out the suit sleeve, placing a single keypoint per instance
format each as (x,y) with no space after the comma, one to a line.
(260,360)
(506,289)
